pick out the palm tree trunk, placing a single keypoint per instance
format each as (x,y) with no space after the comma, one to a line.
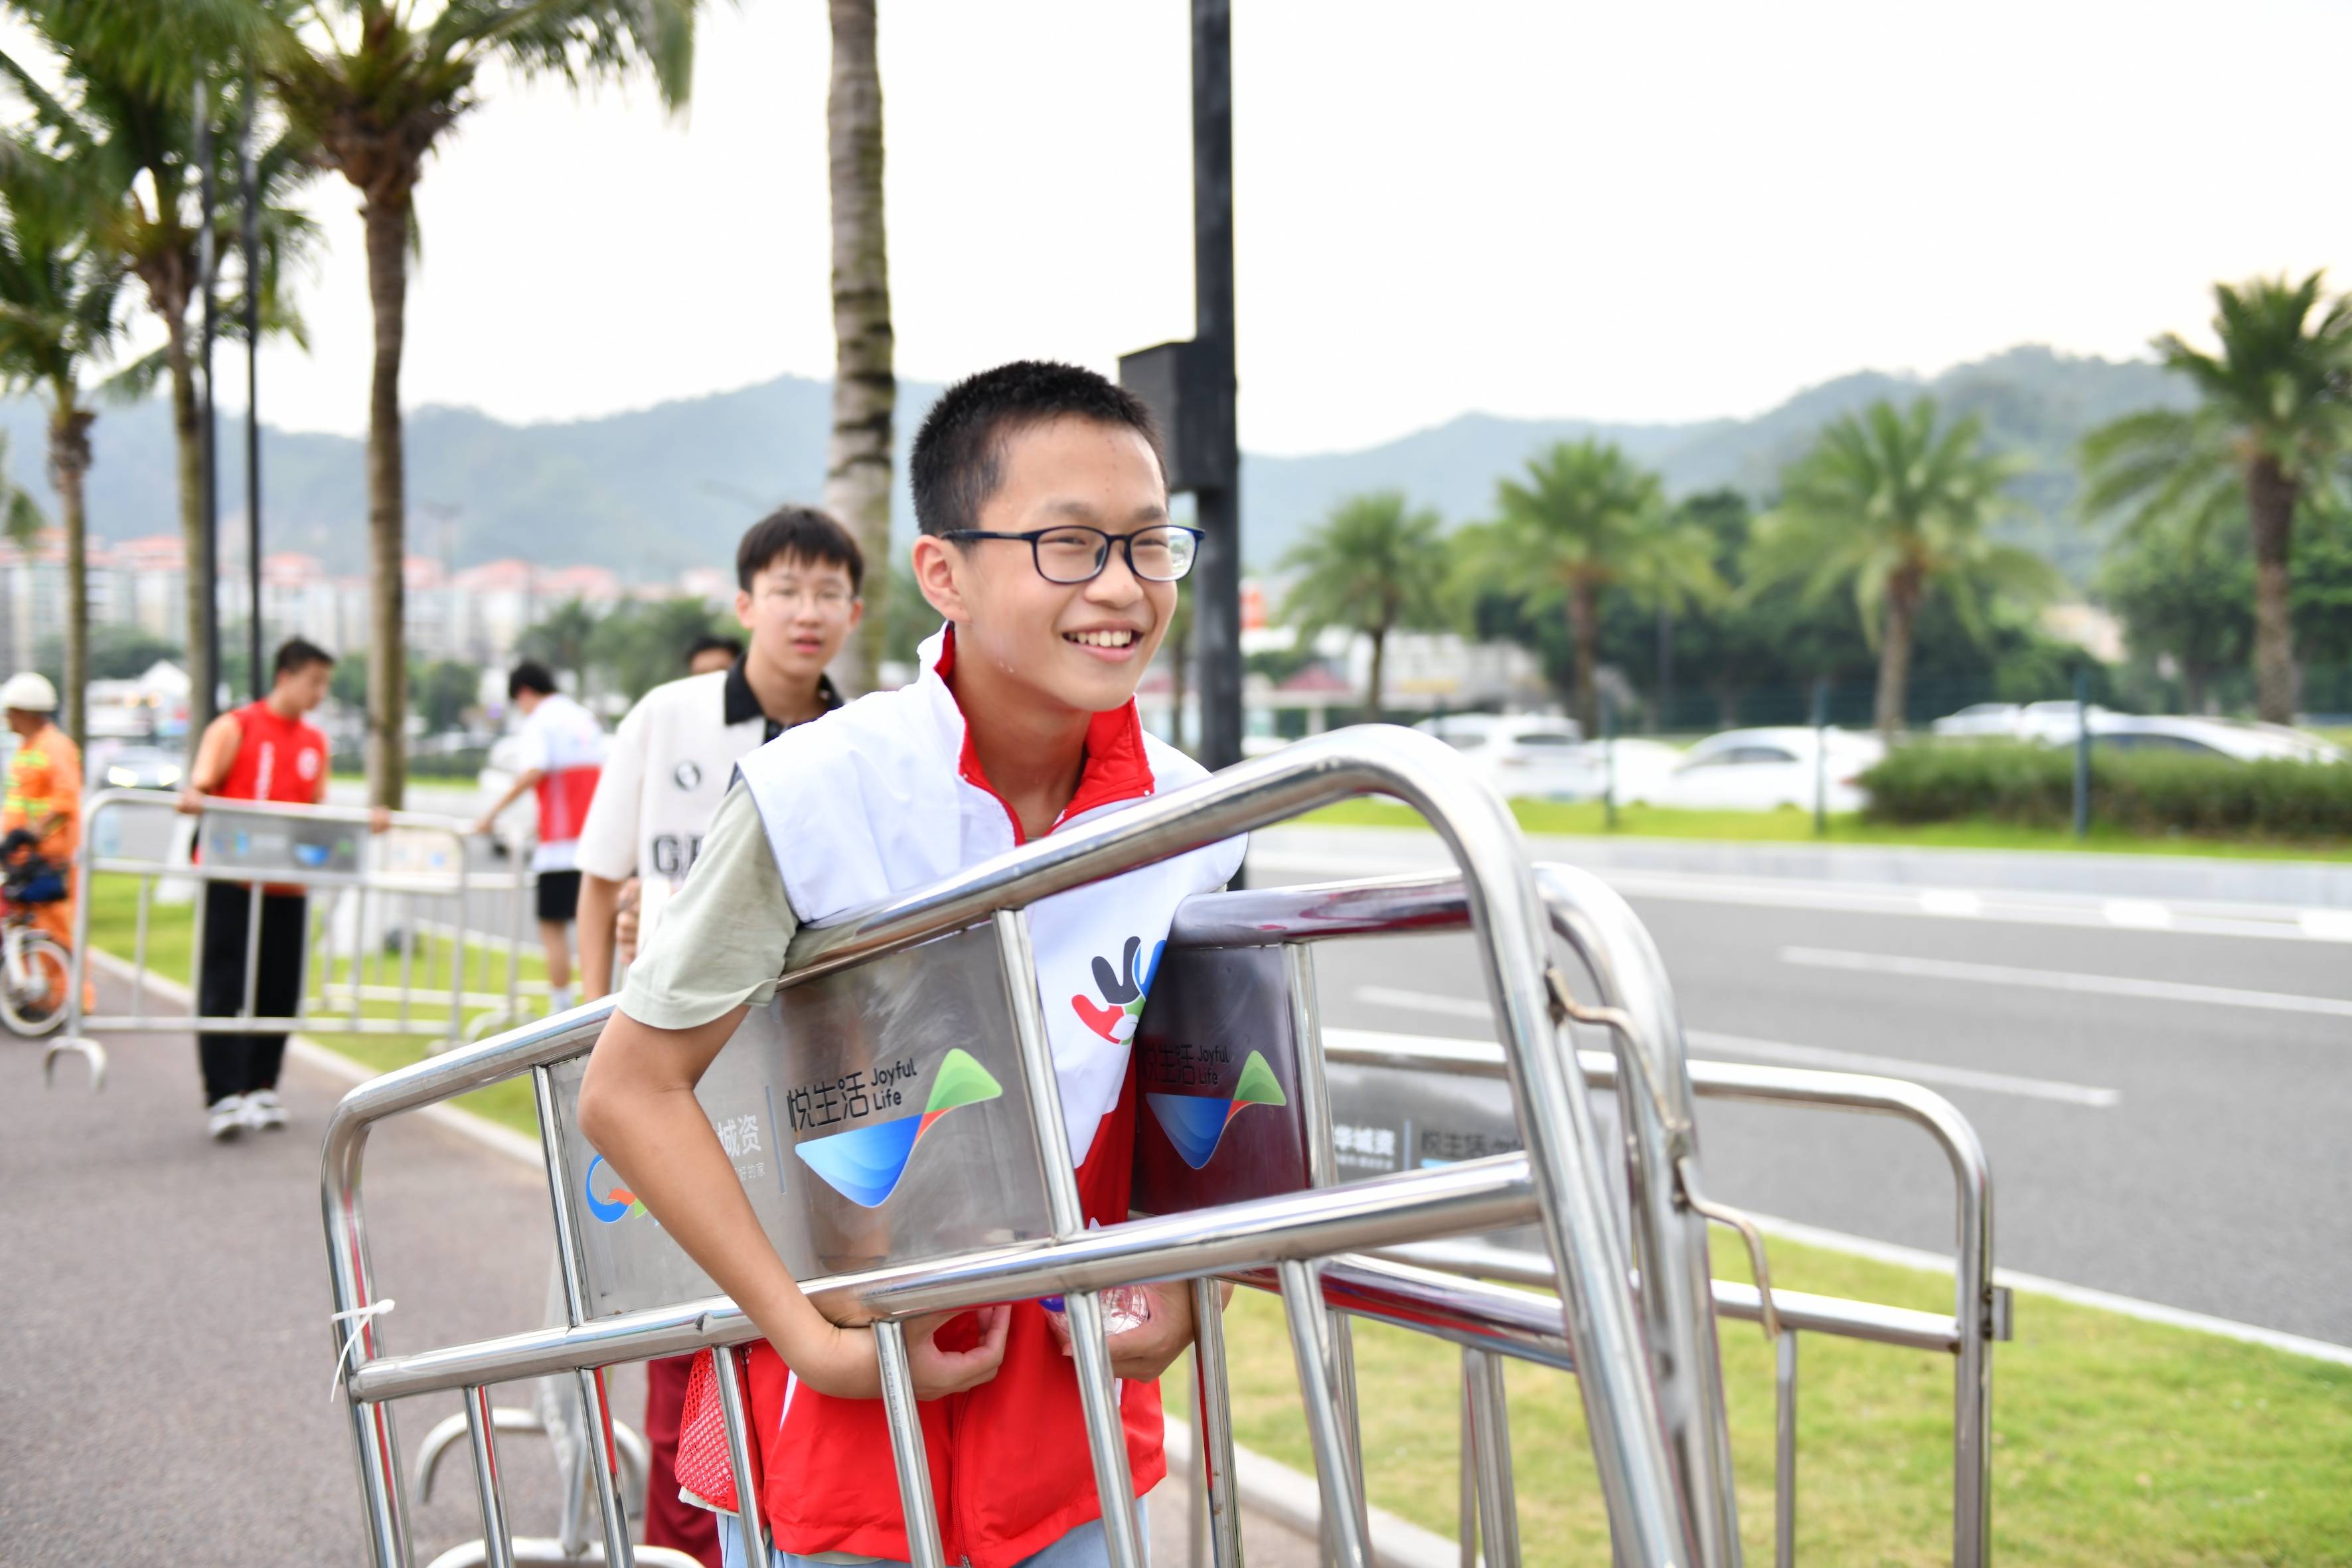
(187,435)
(1895,655)
(865,387)
(1379,686)
(2192,687)
(2271,497)
(1584,630)
(387,218)
(68,461)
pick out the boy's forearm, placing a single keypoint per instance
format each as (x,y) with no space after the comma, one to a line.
(600,902)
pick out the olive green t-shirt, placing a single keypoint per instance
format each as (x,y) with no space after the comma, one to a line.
(720,944)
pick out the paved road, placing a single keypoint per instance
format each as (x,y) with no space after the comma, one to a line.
(2165,1110)
(164,1352)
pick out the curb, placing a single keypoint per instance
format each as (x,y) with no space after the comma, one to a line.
(1292,1499)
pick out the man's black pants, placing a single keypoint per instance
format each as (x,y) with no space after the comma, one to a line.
(239,1064)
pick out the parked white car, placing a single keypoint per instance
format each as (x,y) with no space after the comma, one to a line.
(1764,770)
(1640,767)
(2051,722)
(2240,740)
(1520,753)
(1982,719)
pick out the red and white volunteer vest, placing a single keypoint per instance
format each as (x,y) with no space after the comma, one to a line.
(881,797)
(563,740)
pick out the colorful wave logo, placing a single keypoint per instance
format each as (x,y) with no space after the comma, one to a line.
(1123,994)
(1196,1123)
(865,1165)
(614,1208)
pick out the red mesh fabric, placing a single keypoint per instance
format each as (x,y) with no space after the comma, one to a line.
(702,1467)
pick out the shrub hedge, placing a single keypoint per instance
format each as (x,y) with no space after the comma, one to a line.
(2142,792)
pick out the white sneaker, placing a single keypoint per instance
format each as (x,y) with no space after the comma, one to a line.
(227,1118)
(264,1111)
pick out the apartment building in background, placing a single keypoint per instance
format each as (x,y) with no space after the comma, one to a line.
(475,614)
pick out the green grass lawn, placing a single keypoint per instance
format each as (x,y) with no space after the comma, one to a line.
(2115,1442)
(1589,817)
(113,926)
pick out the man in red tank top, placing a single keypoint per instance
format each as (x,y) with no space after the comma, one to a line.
(263,751)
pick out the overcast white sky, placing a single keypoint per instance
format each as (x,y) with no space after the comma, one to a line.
(1629,211)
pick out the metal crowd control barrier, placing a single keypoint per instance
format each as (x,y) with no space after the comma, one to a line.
(363,968)
(1398,1085)
(881,1002)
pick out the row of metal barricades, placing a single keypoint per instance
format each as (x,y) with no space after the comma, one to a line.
(1609,1212)
(408,926)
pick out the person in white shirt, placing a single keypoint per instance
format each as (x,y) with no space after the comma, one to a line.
(562,756)
(798,575)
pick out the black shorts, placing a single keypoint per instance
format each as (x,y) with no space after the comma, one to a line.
(559,896)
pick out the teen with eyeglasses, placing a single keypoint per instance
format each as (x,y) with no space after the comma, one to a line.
(1046,546)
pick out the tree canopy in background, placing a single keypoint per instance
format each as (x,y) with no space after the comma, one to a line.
(1582,523)
(1886,505)
(1373,566)
(2268,439)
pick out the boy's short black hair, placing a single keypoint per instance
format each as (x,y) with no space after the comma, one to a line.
(801,530)
(711,642)
(295,655)
(957,463)
(530,676)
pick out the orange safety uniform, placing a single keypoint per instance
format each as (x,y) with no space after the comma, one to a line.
(45,783)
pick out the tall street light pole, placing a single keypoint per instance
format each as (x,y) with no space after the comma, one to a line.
(205,570)
(249,194)
(1190,388)
(1217,597)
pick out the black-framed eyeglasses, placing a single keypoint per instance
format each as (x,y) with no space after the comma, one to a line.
(1076,553)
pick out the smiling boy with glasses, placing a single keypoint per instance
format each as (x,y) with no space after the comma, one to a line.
(1046,545)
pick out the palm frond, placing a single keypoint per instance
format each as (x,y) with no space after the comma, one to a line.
(134,381)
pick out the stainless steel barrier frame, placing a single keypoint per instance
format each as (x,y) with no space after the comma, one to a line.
(1559,1179)
(340,1002)
(1655,1082)
(1967,1337)
(1668,1228)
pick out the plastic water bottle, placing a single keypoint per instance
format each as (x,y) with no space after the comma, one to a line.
(1124,1306)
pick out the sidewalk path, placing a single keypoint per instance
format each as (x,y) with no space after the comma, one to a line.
(164,1348)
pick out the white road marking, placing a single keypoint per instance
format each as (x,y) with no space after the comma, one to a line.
(1955,901)
(1708,1042)
(2062,980)
(2327,925)
(2138,914)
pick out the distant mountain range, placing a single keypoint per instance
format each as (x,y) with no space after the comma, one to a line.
(655,490)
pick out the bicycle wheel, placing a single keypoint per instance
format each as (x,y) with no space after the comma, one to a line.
(34,986)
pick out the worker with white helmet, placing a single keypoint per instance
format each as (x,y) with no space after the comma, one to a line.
(43,814)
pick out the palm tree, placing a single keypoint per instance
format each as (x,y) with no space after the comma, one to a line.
(1888,506)
(2272,422)
(370,87)
(20,515)
(60,311)
(562,641)
(1373,566)
(865,387)
(125,114)
(1586,519)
